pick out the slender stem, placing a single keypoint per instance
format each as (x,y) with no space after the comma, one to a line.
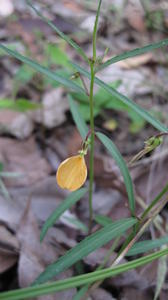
(139,233)
(95,30)
(144,214)
(92,64)
(154,202)
(91,177)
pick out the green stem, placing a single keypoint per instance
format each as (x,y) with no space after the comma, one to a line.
(92,71)
(91,177)
(144,214)
(154,202)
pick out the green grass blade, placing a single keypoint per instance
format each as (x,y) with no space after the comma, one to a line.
(60,33)
(62,285)
(103,220)
(123,168)
(81,292)
(132,53)
(21,105)
(161,276)
(77,117)
(95,29)
(66,204)
(143,113)
(39,68)
(4,190)
(88,245)
(77,223)
(144,246)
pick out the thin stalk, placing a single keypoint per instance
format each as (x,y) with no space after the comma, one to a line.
(91,175)
(95,31)
(144,214)
(154,202)
(92,72)
(140,231)
(86,290)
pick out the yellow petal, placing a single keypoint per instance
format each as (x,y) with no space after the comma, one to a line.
(72,173)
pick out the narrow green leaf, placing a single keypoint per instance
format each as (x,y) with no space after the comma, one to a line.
(103,220)
(143,113)
(78,224)
(62,285)
(79,121)
(60,33)
(81,292)
(11,174)
(66,204)
(123,168)
(4,190)
(95,29)
(56,55)
(132,53)
(21,105)
(161,275)
(144,246)
(88,245)
(52,75)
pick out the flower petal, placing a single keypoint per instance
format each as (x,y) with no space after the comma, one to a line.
(72,173)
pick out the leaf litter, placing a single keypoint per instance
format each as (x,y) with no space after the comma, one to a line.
(33,144)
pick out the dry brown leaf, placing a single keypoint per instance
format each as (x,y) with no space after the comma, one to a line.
(130,293)
(7,261)
(100,294)
(25,158)
(8,242)
(134,14)
(16,123)
(136,61)
(54,107)
(35,256)
(9,249)
(45,196)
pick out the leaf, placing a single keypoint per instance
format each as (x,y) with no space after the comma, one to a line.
(76,281)
(43,70)
(4,190)
(10,174)
(66,204)
(102,220)
(88,245)
(144,246)
(143,113)
(95,29)
(80,293)
(57,56)
(80,123)
(60,33)
(161,275)
(78,224)
(24,74)
(21,105)
(123,168)
(134,52)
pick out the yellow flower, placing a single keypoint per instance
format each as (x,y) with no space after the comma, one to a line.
(72,173)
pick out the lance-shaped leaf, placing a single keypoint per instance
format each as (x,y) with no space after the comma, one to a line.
(66,204)
(60,33)
(43,70)
(84,248)
(142,112)
(144,246)
(111,147)
(77,117)
(62,285)
(132,53)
